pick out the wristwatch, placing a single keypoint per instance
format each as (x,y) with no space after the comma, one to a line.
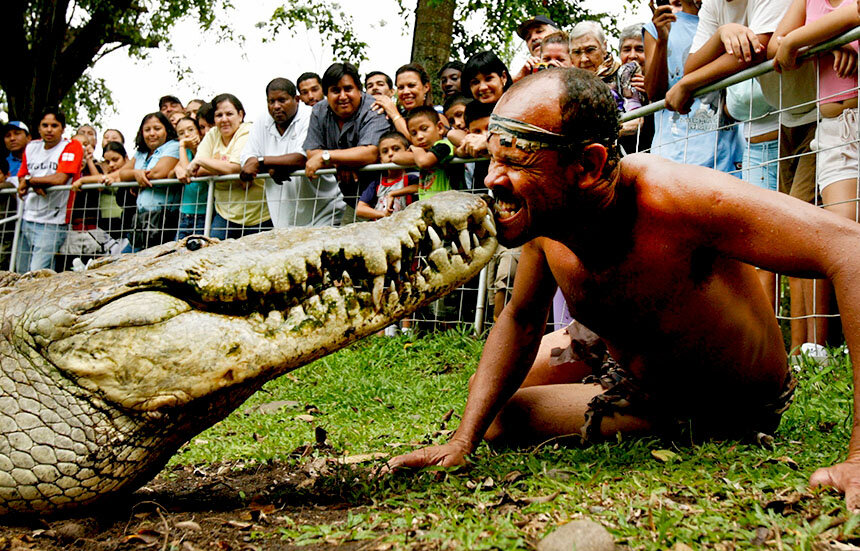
(261,160)
(326,156)
(27,179)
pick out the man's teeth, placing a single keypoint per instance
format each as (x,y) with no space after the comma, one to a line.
(505,209)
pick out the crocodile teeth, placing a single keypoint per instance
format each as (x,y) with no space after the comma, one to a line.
(434,238)
(297,312)
(326,279)
(274,319)
(454,249)
(465,241)
(487,224)
(439,257)
(392,288)
(314,304)
(347,281)
(378,286)
(475,241)
(396,265)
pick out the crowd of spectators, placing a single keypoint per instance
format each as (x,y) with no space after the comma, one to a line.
(340,120)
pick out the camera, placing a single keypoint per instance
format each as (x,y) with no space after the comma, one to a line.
(541,66)
(659,3)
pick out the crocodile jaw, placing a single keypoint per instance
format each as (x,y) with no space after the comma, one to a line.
(252,309)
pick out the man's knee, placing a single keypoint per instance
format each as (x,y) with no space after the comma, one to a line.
(511,424)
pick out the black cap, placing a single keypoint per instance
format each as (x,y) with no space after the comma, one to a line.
(525,26)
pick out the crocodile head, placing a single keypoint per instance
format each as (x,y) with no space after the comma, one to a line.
(107,372)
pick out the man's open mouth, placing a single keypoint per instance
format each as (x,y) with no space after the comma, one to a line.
(505,205)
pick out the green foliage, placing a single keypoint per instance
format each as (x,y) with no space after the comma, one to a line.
(89,100)
(499,21)
(392,395)
(329,20)
(502,18)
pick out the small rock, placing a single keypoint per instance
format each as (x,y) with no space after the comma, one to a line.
(69,531)
(582,535)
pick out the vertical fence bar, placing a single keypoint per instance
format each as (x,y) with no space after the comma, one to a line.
(210,207)
(481,301)
(16,236)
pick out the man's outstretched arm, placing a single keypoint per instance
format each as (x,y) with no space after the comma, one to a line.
(508,355)
(785,235)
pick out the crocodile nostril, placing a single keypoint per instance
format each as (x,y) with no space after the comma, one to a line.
(196,242)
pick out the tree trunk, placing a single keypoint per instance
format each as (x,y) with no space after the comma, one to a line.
(431,43)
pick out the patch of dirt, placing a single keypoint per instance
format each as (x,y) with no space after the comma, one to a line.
(223,507)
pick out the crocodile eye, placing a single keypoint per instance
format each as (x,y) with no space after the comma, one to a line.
(196,242)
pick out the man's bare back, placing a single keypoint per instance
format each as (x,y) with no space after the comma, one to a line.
(654,257)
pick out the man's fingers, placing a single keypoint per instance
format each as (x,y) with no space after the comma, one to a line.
(821,477)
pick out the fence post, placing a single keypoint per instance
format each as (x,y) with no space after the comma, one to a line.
(16,235)
(482,300)
(210,207)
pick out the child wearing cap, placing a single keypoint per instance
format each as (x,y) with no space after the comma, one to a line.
(16,136)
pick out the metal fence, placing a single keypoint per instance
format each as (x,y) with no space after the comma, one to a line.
(103,217)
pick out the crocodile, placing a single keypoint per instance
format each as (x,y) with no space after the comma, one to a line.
(107,372)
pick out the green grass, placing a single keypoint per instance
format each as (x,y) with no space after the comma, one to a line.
(391,395)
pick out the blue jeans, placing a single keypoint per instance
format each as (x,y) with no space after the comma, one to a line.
(224,229)
(37,245)
(761,165)
(190,224)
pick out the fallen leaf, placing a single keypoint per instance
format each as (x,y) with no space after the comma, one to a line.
(679,546)
(447,416)
(239,525)
(306,418)
(664,456)
(488,483)
(258,437)
(512,477)
(187,525)
(146,537)
(538,499)
(292,377)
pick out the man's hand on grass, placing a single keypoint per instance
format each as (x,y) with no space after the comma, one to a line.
(845,477)
(446,455)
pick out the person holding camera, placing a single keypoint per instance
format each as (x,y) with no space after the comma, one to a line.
(704,137)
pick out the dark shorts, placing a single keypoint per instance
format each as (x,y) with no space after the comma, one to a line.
(624,394)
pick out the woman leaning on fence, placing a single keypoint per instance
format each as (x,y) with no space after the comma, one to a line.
(240,207)
(157,206)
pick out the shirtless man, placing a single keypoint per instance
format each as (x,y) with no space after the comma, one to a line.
(656,258)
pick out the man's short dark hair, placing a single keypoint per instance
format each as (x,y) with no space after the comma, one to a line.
(207,113)
(374,73)
(455,99)
(476,110)
(589,113)
(308,76)
(140,143)
(281,85)
(423,111)
(59,115)
(337,71)
(395,135)
(167,99)
(456,65)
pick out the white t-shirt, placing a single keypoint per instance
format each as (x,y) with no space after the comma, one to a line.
(762,17)
(56,206)
(299,202)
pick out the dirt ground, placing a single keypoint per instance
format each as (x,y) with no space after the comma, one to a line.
(223,507)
